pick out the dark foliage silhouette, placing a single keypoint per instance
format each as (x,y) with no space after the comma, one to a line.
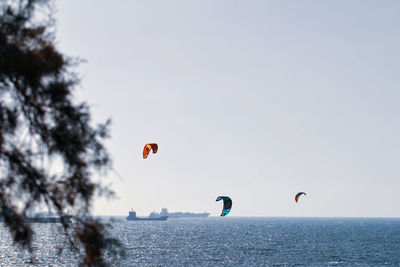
(48,147)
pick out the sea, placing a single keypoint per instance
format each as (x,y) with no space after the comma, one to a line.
(227,241)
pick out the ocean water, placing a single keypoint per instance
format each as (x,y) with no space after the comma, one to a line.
(230,241)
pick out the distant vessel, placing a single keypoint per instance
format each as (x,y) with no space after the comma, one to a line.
(152,217)
(44,217)
(164,212)
(66,219)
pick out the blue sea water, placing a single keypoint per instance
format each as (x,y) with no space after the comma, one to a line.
(231,241)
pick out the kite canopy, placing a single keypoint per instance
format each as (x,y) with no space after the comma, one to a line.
(227,205)
(148,147)
(296,198)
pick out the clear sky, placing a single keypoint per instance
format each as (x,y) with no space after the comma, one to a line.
(256,100)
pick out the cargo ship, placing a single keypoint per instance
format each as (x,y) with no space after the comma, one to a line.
(65,219)
(132,217)
(46,217)
(164,212)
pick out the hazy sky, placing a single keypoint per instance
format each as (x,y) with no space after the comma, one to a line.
(256,100)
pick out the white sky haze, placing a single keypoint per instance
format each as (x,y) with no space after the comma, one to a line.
(256,100)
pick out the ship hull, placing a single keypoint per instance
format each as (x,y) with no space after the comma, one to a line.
(66,219)
(188,215)
(162,218)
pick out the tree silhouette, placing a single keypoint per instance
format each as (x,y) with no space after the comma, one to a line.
(48,147)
